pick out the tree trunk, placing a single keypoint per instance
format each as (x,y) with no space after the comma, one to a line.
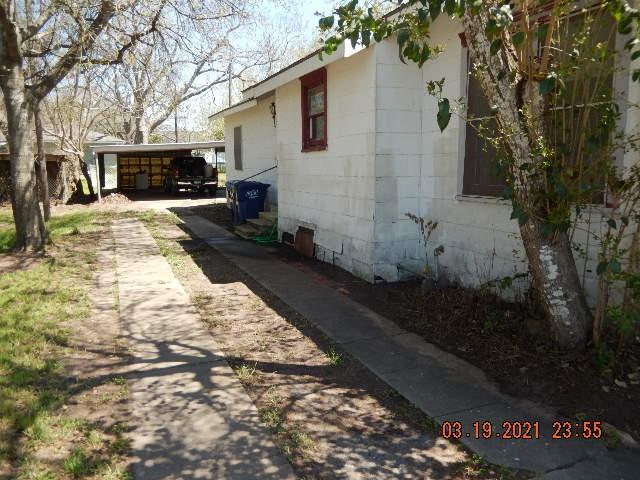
(30,227)
(141,134)
(556,279)
(42,165)
(519,107)
(87,177)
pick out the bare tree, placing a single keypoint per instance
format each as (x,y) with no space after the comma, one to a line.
(55,37)
(186,57)
(71,112)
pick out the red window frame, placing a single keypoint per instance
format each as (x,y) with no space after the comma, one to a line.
(309,81)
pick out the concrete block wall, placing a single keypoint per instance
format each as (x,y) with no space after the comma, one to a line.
(419,171)
(332,191)
(399,92)
(480,242)
(258,146)
(386,157)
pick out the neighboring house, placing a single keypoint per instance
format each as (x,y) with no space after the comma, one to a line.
(60,164)
(95,139)
(357,148)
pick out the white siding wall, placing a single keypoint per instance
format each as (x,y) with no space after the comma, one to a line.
(332,191)
(480,241)
(258,146)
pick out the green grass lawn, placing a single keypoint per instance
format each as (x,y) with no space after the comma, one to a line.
(83,221)
(33,305)
(36,304)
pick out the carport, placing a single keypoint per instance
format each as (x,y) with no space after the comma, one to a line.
(116,166)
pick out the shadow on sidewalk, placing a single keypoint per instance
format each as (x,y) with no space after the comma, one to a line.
(365,428)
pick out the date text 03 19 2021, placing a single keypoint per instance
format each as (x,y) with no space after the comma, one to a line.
(521,430)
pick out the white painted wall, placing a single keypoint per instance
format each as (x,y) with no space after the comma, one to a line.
(398,152)
(480,242)
(332,191)
(258,146)
(386,157)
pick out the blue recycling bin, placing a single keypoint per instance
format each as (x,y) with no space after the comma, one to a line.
(249,200)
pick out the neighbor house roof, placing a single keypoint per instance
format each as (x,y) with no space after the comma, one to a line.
(52,142)
(98,137)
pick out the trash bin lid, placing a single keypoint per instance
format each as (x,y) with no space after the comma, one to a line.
(251,189)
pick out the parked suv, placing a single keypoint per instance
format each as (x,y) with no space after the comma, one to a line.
(190,173)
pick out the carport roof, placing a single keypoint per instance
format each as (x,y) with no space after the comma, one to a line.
(156,147)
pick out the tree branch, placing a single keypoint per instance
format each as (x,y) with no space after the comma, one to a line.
(74,54)
(133,39)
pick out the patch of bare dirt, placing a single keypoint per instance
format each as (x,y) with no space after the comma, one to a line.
(330,416)
(506,340)
(11,262)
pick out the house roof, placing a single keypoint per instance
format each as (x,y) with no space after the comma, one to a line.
(92,137)
(295,70)
(250,94)
(98,137)
(282,70)
(237,107)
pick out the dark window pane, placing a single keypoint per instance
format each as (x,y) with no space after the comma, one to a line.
(480,175)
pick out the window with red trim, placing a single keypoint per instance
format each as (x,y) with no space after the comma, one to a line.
(314,110)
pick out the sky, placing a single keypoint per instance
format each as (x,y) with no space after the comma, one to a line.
(296,19)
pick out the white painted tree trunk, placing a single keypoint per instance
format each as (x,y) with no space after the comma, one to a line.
(556,279)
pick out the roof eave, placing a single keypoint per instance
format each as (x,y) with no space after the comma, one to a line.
(292,72)
(300,68)
(238,107)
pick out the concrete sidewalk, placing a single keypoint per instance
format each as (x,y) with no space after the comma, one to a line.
(193,419)
(443,386)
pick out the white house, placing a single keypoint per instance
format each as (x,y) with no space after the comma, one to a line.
(357,147)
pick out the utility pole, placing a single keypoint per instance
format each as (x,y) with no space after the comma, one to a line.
(175,122)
